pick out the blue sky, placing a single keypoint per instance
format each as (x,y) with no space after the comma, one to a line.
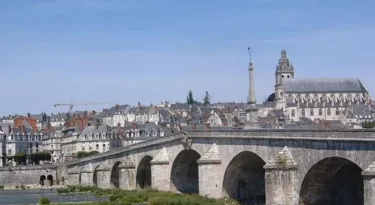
(129,51)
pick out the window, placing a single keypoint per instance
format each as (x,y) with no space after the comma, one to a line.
(337,111)
(311,111)
(320,112)
(97,146)
(329,111)
(303,112)
(293,113)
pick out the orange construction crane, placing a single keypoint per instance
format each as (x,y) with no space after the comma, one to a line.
(71,105)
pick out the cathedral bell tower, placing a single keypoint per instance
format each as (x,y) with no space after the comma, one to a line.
(284,70)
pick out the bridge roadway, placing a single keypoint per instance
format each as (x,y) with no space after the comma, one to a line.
(271,166)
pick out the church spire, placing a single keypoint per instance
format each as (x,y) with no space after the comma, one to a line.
(251,98)
(251,110)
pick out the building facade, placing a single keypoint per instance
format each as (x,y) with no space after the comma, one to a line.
(315,98)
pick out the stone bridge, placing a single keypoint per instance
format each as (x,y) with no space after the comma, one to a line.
(276,167)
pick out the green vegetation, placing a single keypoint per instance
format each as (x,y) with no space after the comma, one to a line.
(206,99)
(190,99)
(2,187)
(81,154)
(44,200)
(148,197)
(20,158)
(368,125)
(17,187)
(22,186)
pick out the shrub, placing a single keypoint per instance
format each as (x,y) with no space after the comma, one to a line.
(22,186)
(44,200)
(1,186)
(20,158)
(82,154)
(40,156)
(17,187)
(28,187)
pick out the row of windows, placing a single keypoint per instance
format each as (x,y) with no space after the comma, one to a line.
(303,112)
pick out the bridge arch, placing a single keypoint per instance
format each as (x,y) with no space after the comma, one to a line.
(95,176)
(50,180)
(115,175)
(184,172)
(244,179)
(80,175)
(42,178)
(143,177)
(334,181)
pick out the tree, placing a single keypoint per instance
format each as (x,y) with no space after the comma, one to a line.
(190,98)
(82,154)
(206,99)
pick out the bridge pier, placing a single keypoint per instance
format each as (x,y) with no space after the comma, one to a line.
(281,176)
(87,178)
(369,185)
(103,178)
(74,176)
(160,176)
(127,176)
(209,166)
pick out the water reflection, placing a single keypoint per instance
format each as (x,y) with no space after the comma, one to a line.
(27,197)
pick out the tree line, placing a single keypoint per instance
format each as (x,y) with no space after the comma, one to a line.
(191,101)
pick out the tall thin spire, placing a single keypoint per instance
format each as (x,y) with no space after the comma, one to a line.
(250,54)
(251,110)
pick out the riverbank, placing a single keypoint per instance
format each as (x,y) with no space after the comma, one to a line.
(146,197)
(30,186)
(32,197)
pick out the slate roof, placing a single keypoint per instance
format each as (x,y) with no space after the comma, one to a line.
(94,129)
(323,85)
(361,111)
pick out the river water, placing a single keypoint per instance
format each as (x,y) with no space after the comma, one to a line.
(28,197)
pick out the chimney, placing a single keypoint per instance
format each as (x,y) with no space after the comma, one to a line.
(9,129)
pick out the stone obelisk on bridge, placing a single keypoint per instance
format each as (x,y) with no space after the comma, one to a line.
(251,109)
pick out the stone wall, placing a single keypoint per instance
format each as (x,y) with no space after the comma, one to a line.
(273,165)
(26,175)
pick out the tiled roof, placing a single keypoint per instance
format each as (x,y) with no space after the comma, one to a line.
(323,85)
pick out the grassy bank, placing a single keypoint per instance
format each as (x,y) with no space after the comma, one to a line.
(147,197)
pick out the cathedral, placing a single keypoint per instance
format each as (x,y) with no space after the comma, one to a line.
(314,98)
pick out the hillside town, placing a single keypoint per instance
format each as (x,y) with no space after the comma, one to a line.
(313,103)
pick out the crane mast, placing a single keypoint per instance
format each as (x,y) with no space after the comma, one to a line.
(71,105)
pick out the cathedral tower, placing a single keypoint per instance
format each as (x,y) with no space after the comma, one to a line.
(283,70)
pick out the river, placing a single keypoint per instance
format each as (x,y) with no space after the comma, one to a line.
(28,197)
